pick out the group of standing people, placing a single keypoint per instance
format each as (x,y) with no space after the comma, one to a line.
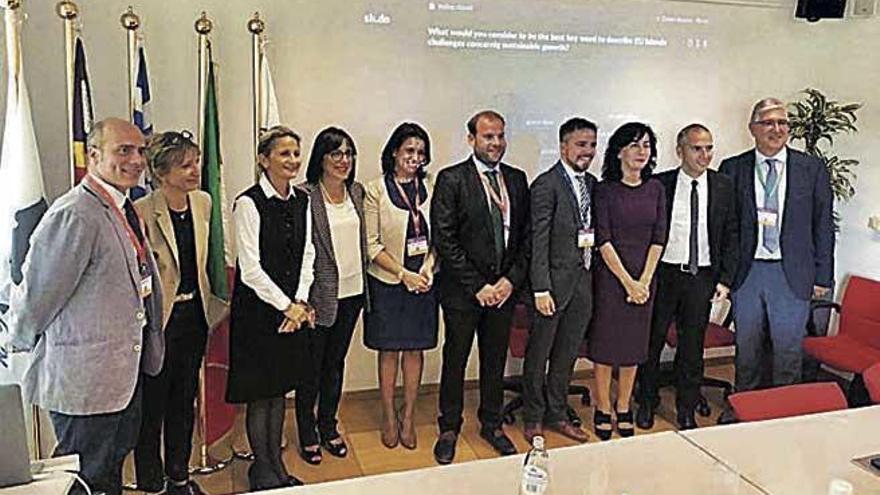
(118,306)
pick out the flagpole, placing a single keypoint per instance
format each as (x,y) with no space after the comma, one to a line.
(131,22)
(68,12)
(256,26)
(207,465)
(12,19)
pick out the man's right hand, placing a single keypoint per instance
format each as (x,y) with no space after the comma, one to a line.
(487,296)
(545,305)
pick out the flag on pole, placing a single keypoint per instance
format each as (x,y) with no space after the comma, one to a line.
(269,115)
(83,113)
(217,416)
(22,196)
(212,183)
(141,113)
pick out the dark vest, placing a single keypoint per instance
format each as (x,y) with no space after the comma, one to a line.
(282,242)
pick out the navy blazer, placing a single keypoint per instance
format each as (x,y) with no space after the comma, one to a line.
(807,237)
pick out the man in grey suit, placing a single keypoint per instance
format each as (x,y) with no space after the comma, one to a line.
(562,243)
(89,307)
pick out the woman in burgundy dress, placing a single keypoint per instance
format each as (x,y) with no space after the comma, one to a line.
(630,222)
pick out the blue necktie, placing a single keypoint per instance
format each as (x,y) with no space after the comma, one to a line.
(584,207)
(771,202)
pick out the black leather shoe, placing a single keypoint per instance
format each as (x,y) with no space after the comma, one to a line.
(625,423)
(686,419)
(645,416)
(499,441)
(602,425)
(444,449)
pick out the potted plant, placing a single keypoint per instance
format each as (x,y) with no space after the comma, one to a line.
(815,119)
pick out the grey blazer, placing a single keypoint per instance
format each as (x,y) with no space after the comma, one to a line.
(79,311)
(322,295)
(556,258)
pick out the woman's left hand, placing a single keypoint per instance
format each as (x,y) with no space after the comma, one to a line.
(427,273)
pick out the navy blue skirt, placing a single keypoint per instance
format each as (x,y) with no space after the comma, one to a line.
(400,320)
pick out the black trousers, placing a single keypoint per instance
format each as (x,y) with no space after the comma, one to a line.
(685,299)
(329,346)
(558,339)
(169,398)
(102,442)
(492,327)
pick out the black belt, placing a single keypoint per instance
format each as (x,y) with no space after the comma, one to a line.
(683,267)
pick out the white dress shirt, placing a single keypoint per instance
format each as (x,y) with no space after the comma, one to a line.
(678,247)
(762,253)
(247,237)
(482,168)
(345,234)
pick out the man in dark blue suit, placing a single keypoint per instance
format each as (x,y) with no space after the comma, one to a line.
(786,243)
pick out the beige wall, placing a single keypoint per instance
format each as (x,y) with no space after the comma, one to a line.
(322,77)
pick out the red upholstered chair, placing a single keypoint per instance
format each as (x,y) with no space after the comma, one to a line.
(872,382)
(519,339)
(790,400)
(856,346)
(716,336)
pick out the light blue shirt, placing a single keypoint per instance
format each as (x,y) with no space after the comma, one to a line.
(762,253)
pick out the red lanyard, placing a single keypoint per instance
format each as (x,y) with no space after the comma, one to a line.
(500,202)
(139,248)
(414,210)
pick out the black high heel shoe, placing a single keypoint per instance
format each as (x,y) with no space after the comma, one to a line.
(627,417)
(602,419)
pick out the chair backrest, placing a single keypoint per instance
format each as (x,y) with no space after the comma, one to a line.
(860,311)
(872,382)
(790,400)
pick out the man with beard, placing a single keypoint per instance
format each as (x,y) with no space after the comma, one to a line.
(562,244)
(480,222)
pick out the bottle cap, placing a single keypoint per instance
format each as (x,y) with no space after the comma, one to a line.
(538,442)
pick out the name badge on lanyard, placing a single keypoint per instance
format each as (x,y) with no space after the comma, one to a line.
(418,244)
(586,237)
(767,217)
(146,286)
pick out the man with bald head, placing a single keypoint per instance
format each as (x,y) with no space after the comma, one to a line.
(89,308)
(786,246)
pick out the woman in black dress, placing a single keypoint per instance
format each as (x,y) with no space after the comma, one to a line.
(630,221)
(268,355)
(402,321)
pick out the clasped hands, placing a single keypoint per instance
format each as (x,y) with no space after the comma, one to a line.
(637,291)
(495,294)
(418,283)
(295,315)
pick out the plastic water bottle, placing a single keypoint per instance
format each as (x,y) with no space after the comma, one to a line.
(535,473)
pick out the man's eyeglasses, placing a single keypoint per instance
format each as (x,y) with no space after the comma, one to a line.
(771,123)
(338,155)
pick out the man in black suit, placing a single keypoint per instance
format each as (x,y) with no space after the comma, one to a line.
(786,246)
(696,269)
(562,242)
(479,219)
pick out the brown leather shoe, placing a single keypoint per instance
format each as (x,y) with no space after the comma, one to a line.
(569,430)
(532,430)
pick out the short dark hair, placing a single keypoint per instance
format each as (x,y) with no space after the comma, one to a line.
(483,114)
(626,134)
(682,134)
(166,150)
(575,124)
(401,133)
(326,141)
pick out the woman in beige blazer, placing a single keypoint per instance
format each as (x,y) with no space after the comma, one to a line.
(176,216)
(402,321)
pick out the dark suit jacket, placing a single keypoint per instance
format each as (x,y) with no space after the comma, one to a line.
(722,221)
(556,258)
(462,229)
(807,237)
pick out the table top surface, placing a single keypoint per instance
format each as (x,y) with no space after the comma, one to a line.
(657,464)
(799,455)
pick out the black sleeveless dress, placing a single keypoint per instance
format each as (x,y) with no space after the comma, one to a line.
(263,363)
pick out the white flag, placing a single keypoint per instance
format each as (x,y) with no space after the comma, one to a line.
(269,115)
(22,197)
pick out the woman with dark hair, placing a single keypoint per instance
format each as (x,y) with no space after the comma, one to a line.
(269,352)
(176,216)
(629,215)
(402,321)
(339,291)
